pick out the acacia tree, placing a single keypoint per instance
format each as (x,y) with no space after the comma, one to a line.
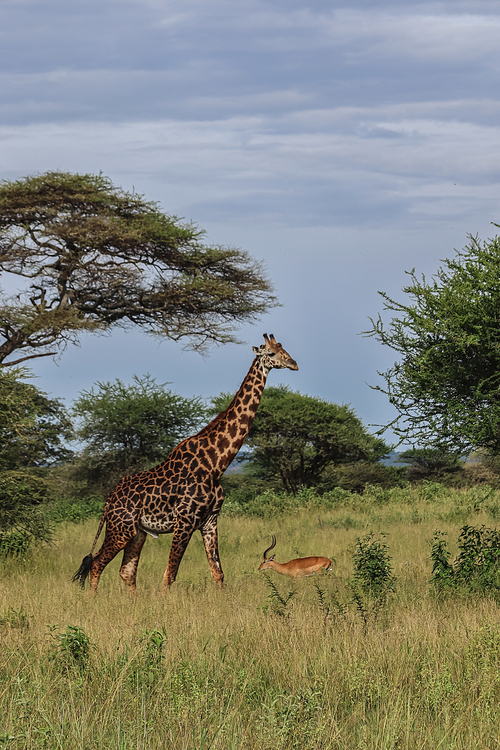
(296,437)
(93,257)
(446,385)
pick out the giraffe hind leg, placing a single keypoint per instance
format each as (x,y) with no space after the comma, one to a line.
(180,541)
(110,548)
(209,536)
(131,555)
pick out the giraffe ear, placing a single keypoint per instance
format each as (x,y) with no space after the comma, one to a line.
(255,349)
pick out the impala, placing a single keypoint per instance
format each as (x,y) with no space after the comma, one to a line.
(302,566)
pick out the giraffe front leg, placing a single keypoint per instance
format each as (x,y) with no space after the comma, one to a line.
(209,536)
(182,535)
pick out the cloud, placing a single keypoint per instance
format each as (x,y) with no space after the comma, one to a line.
(342,142)
(380,168)
(122,60)
(420,37)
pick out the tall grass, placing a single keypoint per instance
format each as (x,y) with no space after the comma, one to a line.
(200,668)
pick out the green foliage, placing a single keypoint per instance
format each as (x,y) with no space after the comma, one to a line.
(430,462)
(15,544)
(445,386)
(99,258)
(356,477)
(15,619)
(242,487)
(294,438)
(270,503)
(148,668)
(75,511)
(32,433)
(129,428)
(373,566)
(477,567)
(73,647)
(373,578)
(442,570)
(279,602)
(33,427)
(23,518)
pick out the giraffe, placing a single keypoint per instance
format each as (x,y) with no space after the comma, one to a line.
(183,494)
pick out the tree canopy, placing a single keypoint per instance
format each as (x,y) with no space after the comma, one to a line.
(446,385)
(33,428)
(429,462)
(93,257)
(296,437)
(33,434)
(128,428)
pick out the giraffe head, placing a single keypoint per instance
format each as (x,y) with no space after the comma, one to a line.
(272,355)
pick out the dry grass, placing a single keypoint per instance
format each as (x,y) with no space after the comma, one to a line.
(202,669)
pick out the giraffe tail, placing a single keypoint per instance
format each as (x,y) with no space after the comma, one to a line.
(83,571)
(86,566)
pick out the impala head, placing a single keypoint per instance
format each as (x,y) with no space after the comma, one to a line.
(265,563)
(272,355)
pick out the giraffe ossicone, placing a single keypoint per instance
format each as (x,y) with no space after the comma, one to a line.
(183,494)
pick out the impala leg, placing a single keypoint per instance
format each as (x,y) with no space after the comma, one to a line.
(209,536)
(182,535)
(131,555)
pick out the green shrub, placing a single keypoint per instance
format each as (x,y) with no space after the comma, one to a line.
(355,477)
(442,570)
(373,566)
(477,567)
(75,511)
(73,647)
(23,517)
(15,543)
(270,502)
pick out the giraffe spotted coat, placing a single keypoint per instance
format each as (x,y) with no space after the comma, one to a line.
(183,494)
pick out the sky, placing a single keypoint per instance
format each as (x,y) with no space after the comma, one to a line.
(342,143)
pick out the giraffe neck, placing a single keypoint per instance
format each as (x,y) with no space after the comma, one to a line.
(228,431)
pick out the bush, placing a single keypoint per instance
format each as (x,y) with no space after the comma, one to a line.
(14,543)
(270,502)
(23,519)
(477,567)
(355,477)
(430,463)
(73,648)
(75,511)
(373,566)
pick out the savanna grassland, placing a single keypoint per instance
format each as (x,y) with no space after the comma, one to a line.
(268,662)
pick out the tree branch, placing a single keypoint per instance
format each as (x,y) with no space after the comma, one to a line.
(30,356)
